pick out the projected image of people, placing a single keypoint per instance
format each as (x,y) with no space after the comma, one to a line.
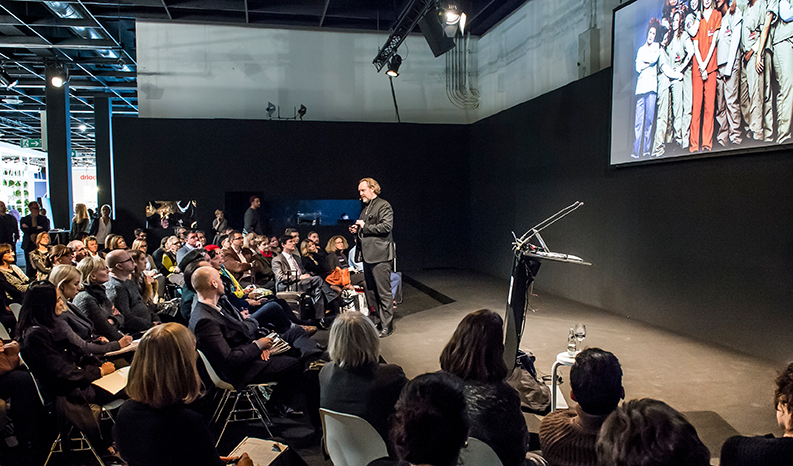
(706,75)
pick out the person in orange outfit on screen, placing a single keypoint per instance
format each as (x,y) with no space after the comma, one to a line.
(704,79)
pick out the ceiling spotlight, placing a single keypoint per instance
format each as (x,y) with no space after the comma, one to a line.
(60,74)
(83,127)
(302,111)
(393,66)
(58,81)
(6,79)
(452,18)
(270,109)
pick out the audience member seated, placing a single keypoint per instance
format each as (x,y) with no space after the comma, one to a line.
(354,382)
(156,427)
(262,264)
(191,243)
(22,400)
(115,242)
(188,298)
(273,311)
(102,226)
(151,266)
(295,235)
(32,225)
(238,259)
(92,301)
(767,450)
(64,370)
(79,250)
(202,238)
(81,223)
(274,246)
(219,225)
(312,262)
(66,279)
(61,254)
(144,278)
(649,432)
(124,293)
(157,256)
(475,354)
(289,276)
(40,257)
(8,294)
(163,231)
(236,349)
(91,246)
(336,258)
(321,255)
(430,424)
(13,274)
(568,436)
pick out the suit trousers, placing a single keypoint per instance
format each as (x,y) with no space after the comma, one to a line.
(378,286)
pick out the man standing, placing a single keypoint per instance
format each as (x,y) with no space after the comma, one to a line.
(568,436)
(253,222)
(376,251)
(9,228)
(32,225)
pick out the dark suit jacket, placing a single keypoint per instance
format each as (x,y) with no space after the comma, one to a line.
(369,392)
(377,243)
(29,232)
(9,229)
(253,222)
(233,263)
(228,344)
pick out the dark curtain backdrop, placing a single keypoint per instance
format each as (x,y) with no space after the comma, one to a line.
(422,170)
(701,247)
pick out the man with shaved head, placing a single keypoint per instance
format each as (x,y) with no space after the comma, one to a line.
(125,295)
(235,347)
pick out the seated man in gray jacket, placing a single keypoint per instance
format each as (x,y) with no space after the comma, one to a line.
(125,295)
(290,276)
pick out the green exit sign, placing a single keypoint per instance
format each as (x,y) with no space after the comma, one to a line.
(31,143)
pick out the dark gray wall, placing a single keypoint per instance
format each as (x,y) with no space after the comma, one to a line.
(702,247)
(422,169)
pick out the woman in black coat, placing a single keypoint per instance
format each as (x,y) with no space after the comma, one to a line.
(65,373)
(93,302)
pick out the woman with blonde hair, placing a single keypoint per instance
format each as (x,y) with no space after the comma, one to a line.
(336,258)
(156,426)
(92,301)
(40,257)
(68,282)
(80,223)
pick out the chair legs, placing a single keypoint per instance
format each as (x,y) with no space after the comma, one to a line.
(257,410)
(84,445)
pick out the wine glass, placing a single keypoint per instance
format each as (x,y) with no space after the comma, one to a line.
(580,333)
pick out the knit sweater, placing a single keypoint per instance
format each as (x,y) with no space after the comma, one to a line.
(568,436)
(757,451)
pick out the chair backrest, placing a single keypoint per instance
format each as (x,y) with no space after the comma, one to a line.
(35,382)
(4,333)
(15,308)
(350,440)
(478,453)
(220,383)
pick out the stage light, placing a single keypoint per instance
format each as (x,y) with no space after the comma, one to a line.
(6,79)
(393,66)
(82,127)
(270,109)
(302,111)
(452,18)
(60,76)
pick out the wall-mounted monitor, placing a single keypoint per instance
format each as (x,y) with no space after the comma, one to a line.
(700,77)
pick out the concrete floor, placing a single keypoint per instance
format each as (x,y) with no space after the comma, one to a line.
(723,392)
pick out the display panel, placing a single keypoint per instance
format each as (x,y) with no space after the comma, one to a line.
(689,78)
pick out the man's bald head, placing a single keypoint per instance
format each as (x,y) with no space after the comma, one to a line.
(116,257)
(206,281)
